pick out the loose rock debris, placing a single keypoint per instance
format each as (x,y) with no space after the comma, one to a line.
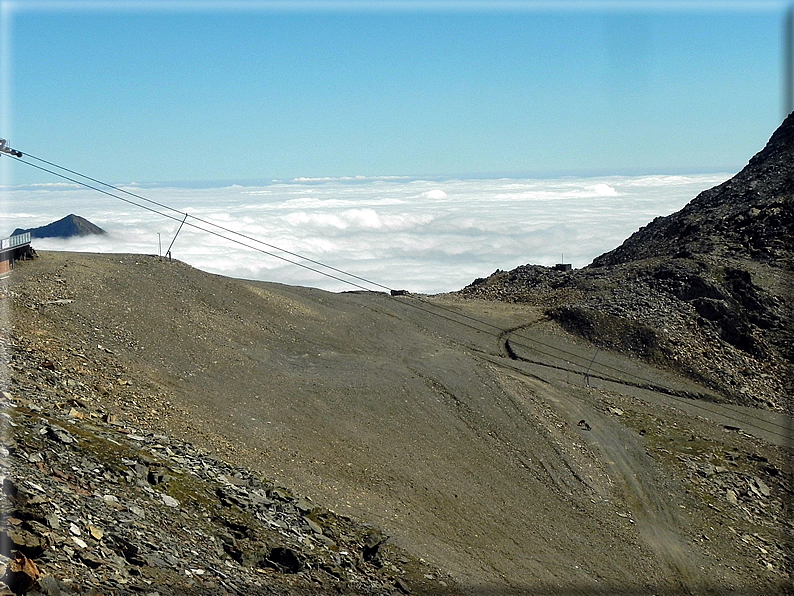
(93,505)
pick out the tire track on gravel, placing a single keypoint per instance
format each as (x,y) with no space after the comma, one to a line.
(658,524)
(626,462)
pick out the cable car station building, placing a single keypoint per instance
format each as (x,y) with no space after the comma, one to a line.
(15,248)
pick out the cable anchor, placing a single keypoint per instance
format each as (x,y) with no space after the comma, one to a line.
(4,148)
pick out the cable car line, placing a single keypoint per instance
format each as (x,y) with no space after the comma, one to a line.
(433,307)
(183,215)
(213,232)
(207,222)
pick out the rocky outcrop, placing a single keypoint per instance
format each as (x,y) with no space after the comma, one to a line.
(705,291)
(748,216)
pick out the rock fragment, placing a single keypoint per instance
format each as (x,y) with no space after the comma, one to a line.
(60,434)
(21,574)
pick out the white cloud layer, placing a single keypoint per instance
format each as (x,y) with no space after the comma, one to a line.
(420,235)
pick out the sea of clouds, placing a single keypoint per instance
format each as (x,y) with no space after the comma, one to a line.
(426,236)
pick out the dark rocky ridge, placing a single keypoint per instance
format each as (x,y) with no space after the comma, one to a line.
(705,291)
(748,216)
(67,227)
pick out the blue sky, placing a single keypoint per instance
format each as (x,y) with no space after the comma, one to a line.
(261,91)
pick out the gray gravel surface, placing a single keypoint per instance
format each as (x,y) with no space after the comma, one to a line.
(479,436)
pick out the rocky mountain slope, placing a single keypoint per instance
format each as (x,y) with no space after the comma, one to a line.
(96,502)
(746,217)
(66,227)
(167,431)
(705,291)
(155,414)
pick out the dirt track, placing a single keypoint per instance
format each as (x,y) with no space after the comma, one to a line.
(410,412)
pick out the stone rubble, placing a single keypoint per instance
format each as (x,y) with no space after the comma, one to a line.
(653,309)
(740,484)
(92,504)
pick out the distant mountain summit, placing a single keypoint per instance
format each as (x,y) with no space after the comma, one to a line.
(69,226)
(750,215)
(707,291)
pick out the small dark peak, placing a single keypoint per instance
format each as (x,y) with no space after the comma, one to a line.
(67,227)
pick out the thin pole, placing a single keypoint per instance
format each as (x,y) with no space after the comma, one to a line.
(168,252)
(587,374)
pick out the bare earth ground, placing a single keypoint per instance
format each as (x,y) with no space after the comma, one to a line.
(452,424)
